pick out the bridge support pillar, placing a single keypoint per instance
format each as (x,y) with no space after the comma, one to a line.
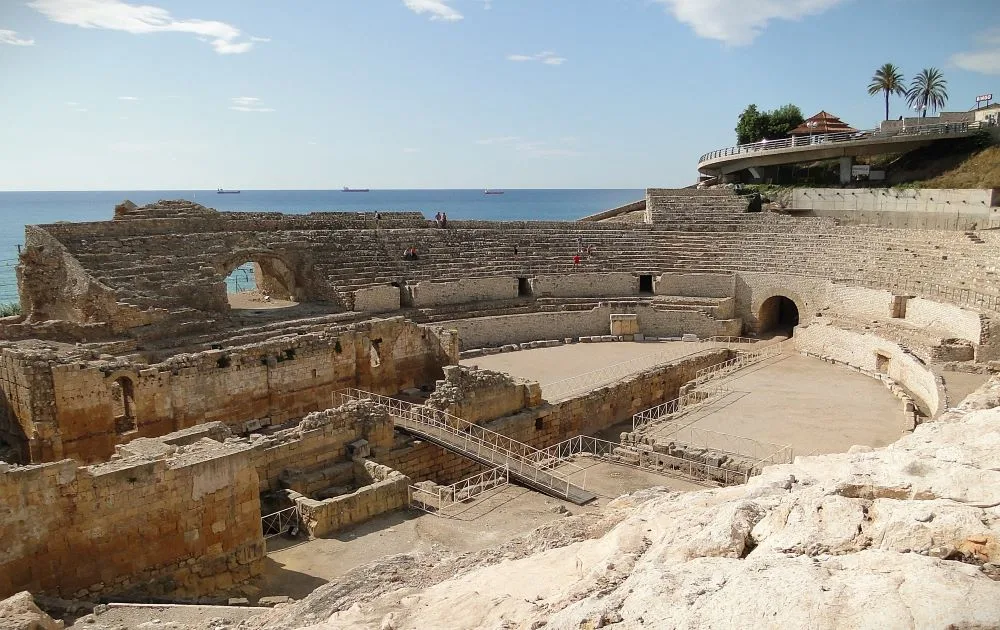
(845,169)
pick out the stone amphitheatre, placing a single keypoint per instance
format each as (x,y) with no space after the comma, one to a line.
(678,413)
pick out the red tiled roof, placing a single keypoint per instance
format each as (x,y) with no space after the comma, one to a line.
(823,122)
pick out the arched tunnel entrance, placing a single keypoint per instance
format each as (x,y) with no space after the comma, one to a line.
(261,282)
(778,315)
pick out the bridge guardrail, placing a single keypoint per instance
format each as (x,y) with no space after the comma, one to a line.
(844,136)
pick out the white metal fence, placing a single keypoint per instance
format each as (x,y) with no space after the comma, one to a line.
(641,456)
(437,499)
(755,451)
(742,359)
(279,522)
(682,404)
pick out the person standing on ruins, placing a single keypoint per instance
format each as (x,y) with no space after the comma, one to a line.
(444,219)
(437,219)
(576,260)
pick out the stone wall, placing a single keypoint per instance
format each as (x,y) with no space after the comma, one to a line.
(695,284)
(959,322)
(477,395)
(461,291)
(872,353)
(936,209)
(386,491)
(380,299)
(321,439)
(246,387)
(183,525)
(583,284)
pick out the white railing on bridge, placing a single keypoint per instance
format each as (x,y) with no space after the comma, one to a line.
(682,404)
(640,456)
(845,136)
(438,499)
(473,439)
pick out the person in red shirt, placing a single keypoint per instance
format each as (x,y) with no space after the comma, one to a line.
(576,260)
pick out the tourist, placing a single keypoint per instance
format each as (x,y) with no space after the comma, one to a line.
(576,260)
(437,220)
(515,250)
(378,216)
(591,250)
(579,244)
(444,219)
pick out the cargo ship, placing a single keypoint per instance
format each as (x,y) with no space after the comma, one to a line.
(492,192)
(346,189)
(222,191)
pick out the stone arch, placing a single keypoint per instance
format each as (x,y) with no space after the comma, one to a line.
(777,313)
(272,274)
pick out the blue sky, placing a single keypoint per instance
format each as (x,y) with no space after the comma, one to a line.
(192,94)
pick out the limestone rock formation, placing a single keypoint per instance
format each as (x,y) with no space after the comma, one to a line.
(900,537)
(19,612)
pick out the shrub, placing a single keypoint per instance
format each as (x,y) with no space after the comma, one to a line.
(9,309)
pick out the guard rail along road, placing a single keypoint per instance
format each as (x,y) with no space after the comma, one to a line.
(828,146)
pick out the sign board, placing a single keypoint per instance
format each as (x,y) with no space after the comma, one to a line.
(876,176)
(984,97)
(860,169)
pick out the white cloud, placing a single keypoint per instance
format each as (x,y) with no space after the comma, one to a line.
(10,37)
(248,104)
(499,140)
(738,23)
(260,39)
(984,61)
(438,9)
(410,150)
(547,57)
(116,15)
(131,99)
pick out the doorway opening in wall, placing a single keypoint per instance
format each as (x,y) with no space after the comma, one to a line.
(123,405)
(881,363)
(262,284)
(645,284)
(523,287)
(778,316)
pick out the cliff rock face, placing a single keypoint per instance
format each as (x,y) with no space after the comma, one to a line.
(901,537)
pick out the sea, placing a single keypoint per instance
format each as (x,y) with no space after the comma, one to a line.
(18,209)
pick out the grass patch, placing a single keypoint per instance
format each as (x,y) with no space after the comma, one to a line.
(10,309)
(980,170)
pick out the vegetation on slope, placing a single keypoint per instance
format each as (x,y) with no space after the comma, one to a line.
(9,309)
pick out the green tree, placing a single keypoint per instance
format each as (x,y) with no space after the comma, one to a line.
(928,91)
(888,80)
(783,120)
(751,126)
(754,125)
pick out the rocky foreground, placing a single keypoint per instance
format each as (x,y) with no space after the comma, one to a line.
(900,537)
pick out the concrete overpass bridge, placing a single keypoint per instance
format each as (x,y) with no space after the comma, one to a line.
(845,146)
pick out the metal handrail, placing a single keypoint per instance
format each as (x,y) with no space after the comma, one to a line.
(444,497)
(485,444)
(842,136)
(648,459)
(742,360)
(682,403)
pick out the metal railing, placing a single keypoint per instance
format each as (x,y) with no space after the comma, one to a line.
(436,499)
(743,359)
(472,439)
(641,456)
(749,449)
(277,523)
(844,136)
(682,404)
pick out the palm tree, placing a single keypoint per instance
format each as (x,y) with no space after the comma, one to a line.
(927,90)
(887,79)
